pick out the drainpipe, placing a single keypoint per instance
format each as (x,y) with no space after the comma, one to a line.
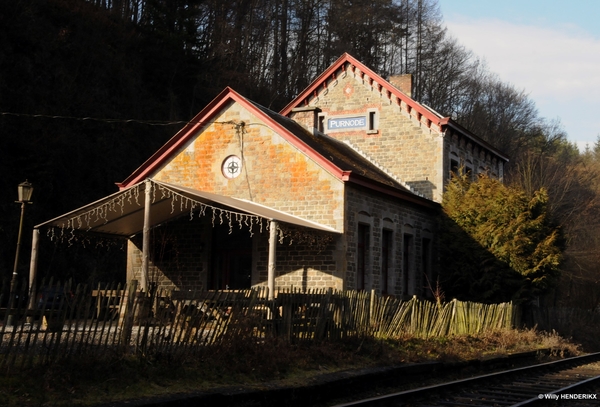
(272,256)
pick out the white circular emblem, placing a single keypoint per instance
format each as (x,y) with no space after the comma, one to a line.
(232,166)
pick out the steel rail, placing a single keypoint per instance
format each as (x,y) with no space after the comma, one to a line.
(523,398)
(570,388)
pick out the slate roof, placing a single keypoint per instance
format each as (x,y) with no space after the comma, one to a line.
(337,152)
(334,156)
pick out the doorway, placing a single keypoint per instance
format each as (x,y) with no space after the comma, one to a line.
(231,260)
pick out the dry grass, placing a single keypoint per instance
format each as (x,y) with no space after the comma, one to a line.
(252,364)
(482,346)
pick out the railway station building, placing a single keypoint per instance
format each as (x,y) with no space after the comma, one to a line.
(341,189)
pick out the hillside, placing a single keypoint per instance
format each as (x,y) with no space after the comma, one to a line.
(84,98)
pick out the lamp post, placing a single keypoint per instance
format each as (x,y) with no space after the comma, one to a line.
(25,189)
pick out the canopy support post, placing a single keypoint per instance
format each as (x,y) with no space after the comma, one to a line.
(272,257)
(146,235)
(35,242)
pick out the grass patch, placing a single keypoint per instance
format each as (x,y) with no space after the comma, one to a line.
(87,382)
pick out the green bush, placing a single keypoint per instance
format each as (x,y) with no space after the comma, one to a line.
(497,242)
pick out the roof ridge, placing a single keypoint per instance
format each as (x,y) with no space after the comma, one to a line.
(382,168)
(394,94)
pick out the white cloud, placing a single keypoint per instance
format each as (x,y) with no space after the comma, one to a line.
(558,66)
(542,59)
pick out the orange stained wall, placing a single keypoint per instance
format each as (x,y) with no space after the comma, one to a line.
(274,172)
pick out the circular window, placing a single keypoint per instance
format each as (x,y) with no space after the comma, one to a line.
(232,166)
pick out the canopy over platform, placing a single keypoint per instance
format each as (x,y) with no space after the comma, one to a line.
(122,213)
(150,203)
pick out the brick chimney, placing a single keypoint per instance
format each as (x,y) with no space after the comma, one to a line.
(403,82)
(307,116)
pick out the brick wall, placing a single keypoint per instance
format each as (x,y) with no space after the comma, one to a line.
(304,265)
(182,257)
(275,174)
(182,250)
(403,82)
(470,156)
(179,255)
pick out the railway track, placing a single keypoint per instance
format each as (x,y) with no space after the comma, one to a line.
(570,382)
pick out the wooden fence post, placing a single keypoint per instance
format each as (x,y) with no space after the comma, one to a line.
(128,313)
(371,311)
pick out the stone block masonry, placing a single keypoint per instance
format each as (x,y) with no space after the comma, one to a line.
(399,143)
(274,173)
(399,139)
(406,263)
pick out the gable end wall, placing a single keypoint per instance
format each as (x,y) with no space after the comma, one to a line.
(403,142)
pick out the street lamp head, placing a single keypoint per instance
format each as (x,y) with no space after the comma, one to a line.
(25,191)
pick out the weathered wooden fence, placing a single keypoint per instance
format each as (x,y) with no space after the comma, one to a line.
(109,320)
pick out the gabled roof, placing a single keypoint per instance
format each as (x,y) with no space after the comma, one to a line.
(336,152)
(334,156)
(194,126)
(422,113)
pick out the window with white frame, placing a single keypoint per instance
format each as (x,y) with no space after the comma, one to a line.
(372,121)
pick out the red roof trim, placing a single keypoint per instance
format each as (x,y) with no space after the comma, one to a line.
(158,159)
(171,147)
(413,108)
(373,77)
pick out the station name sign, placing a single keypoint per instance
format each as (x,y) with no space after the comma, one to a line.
(347,123)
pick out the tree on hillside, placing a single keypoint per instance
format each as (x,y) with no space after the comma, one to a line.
(164,60)
(572,180)
(498,243)
(270,50)
(72,77)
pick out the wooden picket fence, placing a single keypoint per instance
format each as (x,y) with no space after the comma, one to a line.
(113,320)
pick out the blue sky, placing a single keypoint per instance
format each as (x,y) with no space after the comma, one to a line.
(549,49)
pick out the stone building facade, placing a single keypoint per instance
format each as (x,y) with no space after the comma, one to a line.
(341,189)
(378,117)
(378,227)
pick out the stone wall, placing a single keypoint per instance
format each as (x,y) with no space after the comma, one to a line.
(397,141)
(182,257)
(305,264)
(182,251)
(395,136)
(179,255)
(274,173)
(470,156)
(402,220)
